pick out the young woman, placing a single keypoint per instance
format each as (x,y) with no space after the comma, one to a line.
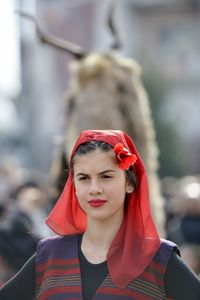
(108,247)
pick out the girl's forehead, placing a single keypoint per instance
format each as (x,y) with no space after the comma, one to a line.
(96,157)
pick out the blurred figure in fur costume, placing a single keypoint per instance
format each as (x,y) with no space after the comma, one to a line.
(106,92)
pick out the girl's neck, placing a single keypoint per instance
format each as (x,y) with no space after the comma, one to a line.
(97,239)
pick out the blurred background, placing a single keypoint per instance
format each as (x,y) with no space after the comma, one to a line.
(164,38)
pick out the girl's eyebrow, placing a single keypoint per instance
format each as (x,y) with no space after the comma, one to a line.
(107,171)
(81,174)
(101,173)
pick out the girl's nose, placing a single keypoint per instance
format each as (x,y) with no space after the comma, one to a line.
(95,188)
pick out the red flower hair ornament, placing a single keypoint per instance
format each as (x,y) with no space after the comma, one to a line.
(125,158)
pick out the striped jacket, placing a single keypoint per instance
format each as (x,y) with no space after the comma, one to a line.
(59,278)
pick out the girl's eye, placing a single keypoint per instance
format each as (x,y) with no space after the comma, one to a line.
(83,178)
(106,176)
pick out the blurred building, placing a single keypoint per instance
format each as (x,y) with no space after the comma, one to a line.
(45,74)
(165,34)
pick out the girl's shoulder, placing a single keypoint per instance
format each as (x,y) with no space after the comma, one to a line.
(55,245)
(168,246)
(55,239)
(165,251)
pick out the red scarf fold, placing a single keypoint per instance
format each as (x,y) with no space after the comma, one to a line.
(137,241)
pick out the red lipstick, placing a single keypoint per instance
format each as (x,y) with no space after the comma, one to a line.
(97,202)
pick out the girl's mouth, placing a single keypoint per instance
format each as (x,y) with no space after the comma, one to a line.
(97,202)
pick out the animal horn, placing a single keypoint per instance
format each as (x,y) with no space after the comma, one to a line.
(71,48)
(116,42)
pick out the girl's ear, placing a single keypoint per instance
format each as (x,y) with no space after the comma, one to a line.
(129,188)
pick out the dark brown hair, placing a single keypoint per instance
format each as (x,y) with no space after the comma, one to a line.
(94,145)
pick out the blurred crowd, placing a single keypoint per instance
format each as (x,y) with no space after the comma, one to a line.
(182,199)
(26,199)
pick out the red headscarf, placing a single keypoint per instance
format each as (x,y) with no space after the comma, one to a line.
(137,240)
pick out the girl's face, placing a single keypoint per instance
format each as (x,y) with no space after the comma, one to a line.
(100,185)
